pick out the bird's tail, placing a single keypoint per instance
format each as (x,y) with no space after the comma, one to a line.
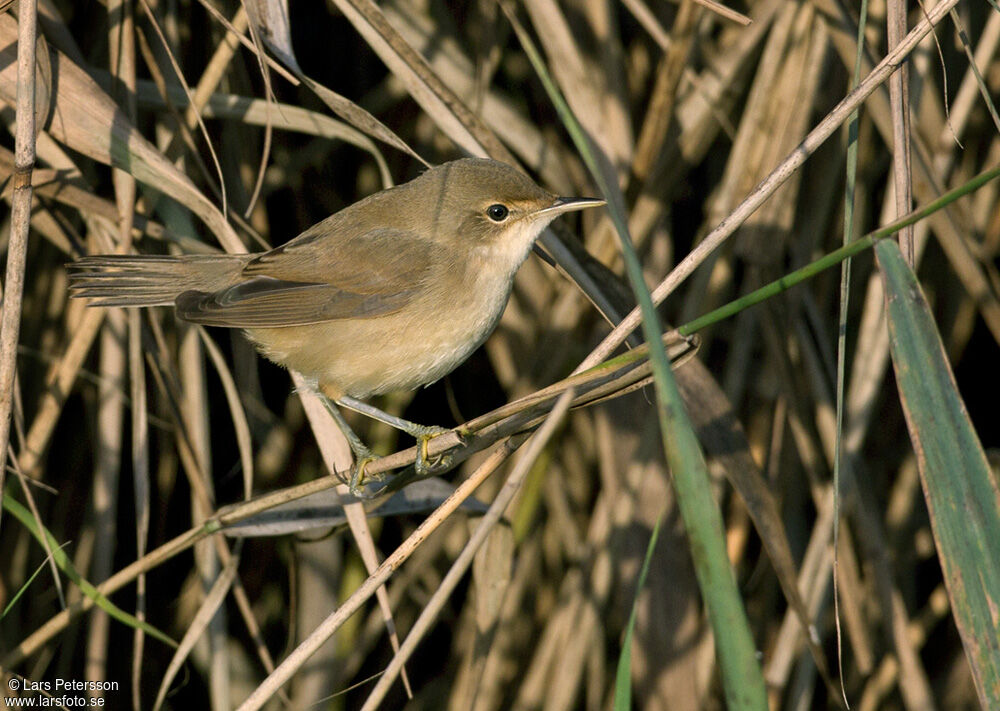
(150,280)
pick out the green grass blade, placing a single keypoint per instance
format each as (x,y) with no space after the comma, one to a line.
(963,499)
(742,678)
(23,589)
(11,505)
(833,258)
(623,676)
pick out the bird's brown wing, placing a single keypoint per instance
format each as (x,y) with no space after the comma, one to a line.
(374,261)
(372,274)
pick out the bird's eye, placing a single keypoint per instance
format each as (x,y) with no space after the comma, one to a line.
(497,212)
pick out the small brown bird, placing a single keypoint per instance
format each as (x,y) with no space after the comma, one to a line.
(390,293)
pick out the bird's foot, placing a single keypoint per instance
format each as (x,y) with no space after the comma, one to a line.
(424,465)
(359,476)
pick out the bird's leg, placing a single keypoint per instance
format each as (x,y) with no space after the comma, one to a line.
(362,454)
(422,433)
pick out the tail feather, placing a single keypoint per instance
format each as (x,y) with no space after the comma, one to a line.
(150,280)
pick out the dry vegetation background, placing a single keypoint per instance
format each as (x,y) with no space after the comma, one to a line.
(126,432)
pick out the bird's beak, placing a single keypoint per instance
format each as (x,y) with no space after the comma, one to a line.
(561,205)
(566,204)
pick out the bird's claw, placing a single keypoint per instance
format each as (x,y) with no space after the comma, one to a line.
(424,465)
(359,477)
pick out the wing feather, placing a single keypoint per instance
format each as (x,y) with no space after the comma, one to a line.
(320,279)
(378,261)
(261,303)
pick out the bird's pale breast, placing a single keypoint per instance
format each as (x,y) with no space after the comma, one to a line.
(397,351)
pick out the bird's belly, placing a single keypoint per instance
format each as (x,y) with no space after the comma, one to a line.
(399,351)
